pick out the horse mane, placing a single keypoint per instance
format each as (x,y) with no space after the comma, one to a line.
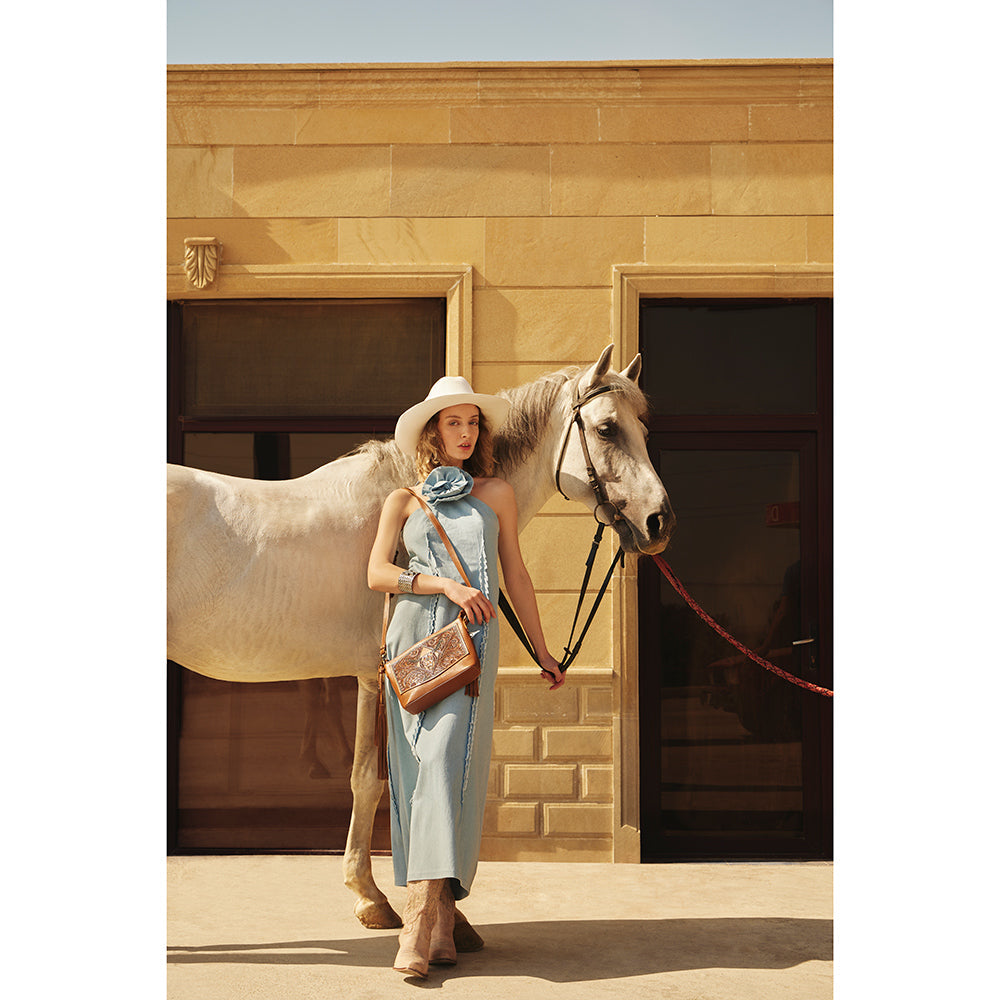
(522,431)
(531,412)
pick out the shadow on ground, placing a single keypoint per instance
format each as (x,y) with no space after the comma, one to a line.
(570,951)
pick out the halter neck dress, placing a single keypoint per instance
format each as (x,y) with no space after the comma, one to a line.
(439,759)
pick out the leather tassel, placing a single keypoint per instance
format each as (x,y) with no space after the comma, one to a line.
(381,729)
(472,689)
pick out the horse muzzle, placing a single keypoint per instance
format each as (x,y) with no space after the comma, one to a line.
(650,539)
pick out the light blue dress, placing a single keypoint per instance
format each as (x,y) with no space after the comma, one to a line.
(439,760)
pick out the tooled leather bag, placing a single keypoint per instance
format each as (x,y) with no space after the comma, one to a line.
(431,669)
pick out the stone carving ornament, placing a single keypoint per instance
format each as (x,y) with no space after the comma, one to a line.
(201,259)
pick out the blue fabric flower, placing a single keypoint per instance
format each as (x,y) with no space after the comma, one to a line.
(446,483)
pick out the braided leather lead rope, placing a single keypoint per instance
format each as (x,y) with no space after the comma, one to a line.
(678,586)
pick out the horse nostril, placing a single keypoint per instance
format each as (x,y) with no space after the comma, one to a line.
(661,523)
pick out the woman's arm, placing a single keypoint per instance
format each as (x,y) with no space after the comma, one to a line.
(519,585)
(383,573)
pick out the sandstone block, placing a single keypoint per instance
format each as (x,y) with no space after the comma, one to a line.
(577,820)
(519,741)
(199,181)
(546,252)
(538,782)
(728,240)
(575,742)
(778,179)
(370,126)
(317,181)
(529,704)
(666,123)
(189,125)
(598,783)
(412,241)
(631,180)
(524,123)
(457,181)
(791,123)
(555,551)
(516,818)
(556,612)
(819,239)
(541,325)
(597,701)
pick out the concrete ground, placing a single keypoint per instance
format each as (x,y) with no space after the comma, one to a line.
(282,928)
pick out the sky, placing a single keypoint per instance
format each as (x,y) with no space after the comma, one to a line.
(367,31)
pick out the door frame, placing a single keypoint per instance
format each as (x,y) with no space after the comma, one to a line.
(630,283)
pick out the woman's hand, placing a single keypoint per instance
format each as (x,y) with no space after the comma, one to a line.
(474,603)
(551,671)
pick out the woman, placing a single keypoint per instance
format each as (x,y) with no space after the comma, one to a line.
(439,759)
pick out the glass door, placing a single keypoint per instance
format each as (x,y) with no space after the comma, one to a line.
(730,749)
(736,761)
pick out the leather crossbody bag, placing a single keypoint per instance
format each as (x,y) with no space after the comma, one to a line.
(431,669)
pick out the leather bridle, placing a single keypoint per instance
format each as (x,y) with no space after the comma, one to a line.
(606,511)
(605,508)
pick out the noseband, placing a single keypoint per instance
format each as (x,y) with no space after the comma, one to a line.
(606,512)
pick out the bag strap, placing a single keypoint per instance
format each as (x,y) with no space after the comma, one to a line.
(451,552)
(440,531)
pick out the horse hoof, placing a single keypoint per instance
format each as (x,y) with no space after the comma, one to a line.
(466,938)
(377,916)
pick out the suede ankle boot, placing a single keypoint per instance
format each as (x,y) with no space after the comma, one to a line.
(415,937)
(442,950)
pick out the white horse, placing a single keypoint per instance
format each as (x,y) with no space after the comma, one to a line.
(267,579)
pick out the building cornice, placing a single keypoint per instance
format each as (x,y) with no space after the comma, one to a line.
(667,82)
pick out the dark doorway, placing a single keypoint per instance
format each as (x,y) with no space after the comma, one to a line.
(735,761)
(273,390)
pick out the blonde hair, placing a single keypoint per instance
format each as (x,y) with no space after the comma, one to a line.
(431,453)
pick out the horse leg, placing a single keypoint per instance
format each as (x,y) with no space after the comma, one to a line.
(372,908)
(335,717)
(312,692)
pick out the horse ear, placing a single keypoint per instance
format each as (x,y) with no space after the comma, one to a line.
(600,368)
(633,369)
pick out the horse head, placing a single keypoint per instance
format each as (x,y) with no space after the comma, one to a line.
(602,459)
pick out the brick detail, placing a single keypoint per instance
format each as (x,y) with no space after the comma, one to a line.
(571,819)
(515,742)
(598,783)
(517,818)
(539,781)
(598,704)
(524,704)
(576,742)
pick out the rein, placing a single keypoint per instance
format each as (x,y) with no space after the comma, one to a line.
(704,616)
(604,507)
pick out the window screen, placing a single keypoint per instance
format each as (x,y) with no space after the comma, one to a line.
(751,357)
(316,358)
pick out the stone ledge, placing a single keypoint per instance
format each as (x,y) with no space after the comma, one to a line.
(671,81)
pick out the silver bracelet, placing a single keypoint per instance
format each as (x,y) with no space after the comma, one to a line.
(405,582)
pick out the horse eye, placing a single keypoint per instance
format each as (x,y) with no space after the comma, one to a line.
(608,430)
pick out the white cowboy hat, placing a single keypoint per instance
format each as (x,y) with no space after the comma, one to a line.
(448,391)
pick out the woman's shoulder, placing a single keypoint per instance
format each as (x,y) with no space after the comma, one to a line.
(400,499)
(498,493)
(493,485)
